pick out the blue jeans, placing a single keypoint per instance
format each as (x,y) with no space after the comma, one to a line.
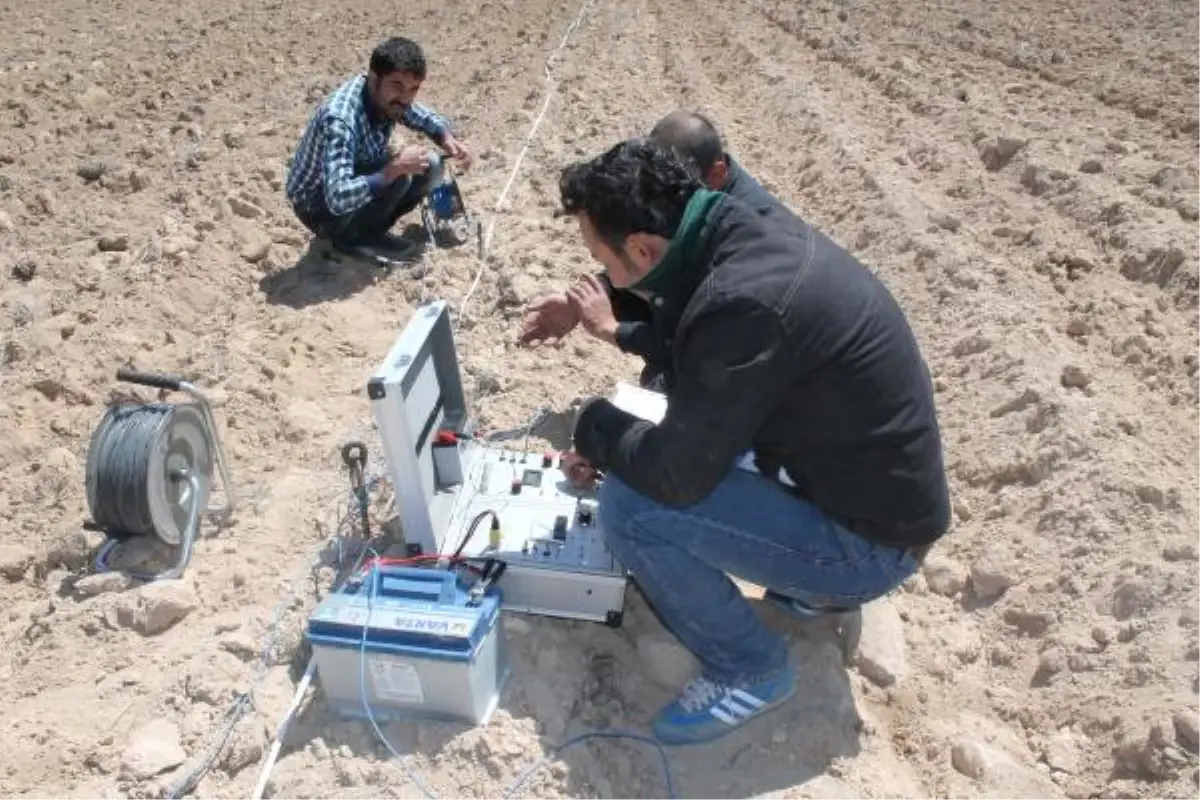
(757,530)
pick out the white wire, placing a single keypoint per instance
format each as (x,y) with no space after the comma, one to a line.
(551,87)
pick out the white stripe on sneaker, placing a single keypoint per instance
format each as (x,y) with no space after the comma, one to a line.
(722,715)
(734,706)
(747,698)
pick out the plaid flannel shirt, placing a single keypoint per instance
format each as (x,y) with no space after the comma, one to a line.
(345,144)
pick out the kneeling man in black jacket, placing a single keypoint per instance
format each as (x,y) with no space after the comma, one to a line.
(781,345)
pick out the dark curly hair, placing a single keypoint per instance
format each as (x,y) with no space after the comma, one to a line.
(637,186)
(398,54)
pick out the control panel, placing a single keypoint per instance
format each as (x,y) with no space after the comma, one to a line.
(548,532)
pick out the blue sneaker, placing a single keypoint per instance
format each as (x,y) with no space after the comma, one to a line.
(707,710)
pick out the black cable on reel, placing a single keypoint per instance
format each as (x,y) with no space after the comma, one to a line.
(120,493)
(149,473)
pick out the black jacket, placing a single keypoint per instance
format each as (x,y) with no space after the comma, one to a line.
(635,317)
(780,341)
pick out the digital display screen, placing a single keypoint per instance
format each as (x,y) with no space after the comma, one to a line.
(532,477)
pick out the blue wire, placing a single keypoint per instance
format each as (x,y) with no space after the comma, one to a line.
(583,737)
(531,769)
(362,690)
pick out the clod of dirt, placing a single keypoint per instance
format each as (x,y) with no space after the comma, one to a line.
(155,607)
(92,171)
(24,269)
(154,748)
(113,243)
(881,651)
(997,152)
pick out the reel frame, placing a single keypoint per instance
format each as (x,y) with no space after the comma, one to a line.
(201,439)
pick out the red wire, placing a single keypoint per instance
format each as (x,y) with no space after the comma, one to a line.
(386,561)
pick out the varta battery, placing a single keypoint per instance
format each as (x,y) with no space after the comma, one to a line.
(410,641)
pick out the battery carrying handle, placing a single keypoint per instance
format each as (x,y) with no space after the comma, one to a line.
(414,583)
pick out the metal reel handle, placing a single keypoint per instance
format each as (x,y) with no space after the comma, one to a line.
(177,384)
(150,379)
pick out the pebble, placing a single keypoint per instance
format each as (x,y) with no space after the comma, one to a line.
(881,654)
(14,560)
(243,208)
(993,572)
(973,759)
(153,748)
(1187,730)
(241,644)
(1074,377)
(1092,166)
(94,98)
(24,269)
(945,221)
(1180,552)
(1050,663)
(157,606)
(997,152)
(1062,752)
(1002,655)
(102,583)
(1133,598)
(92,171)
(997,768)
(44,201)
(113,243)
(944,576)
(256,249)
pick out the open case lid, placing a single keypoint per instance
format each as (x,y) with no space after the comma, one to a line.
(414,393)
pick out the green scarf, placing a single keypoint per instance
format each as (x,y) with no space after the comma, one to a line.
(691,235)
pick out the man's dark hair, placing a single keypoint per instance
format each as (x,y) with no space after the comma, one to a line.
(637,186)
(398,54)
(693,135)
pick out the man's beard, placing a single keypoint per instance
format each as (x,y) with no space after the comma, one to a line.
(396,110)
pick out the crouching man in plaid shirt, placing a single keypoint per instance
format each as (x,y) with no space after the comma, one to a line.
(344,183)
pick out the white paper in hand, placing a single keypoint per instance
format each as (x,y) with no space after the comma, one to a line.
(642,403)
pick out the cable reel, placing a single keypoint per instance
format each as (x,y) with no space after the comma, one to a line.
(150,471)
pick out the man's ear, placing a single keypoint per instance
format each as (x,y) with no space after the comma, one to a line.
(718,173)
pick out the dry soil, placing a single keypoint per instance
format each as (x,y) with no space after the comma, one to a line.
(1023,176)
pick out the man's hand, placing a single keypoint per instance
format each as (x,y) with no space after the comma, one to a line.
(594,308)
(457,151)
(547,320)
(579,472)
(409,161)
